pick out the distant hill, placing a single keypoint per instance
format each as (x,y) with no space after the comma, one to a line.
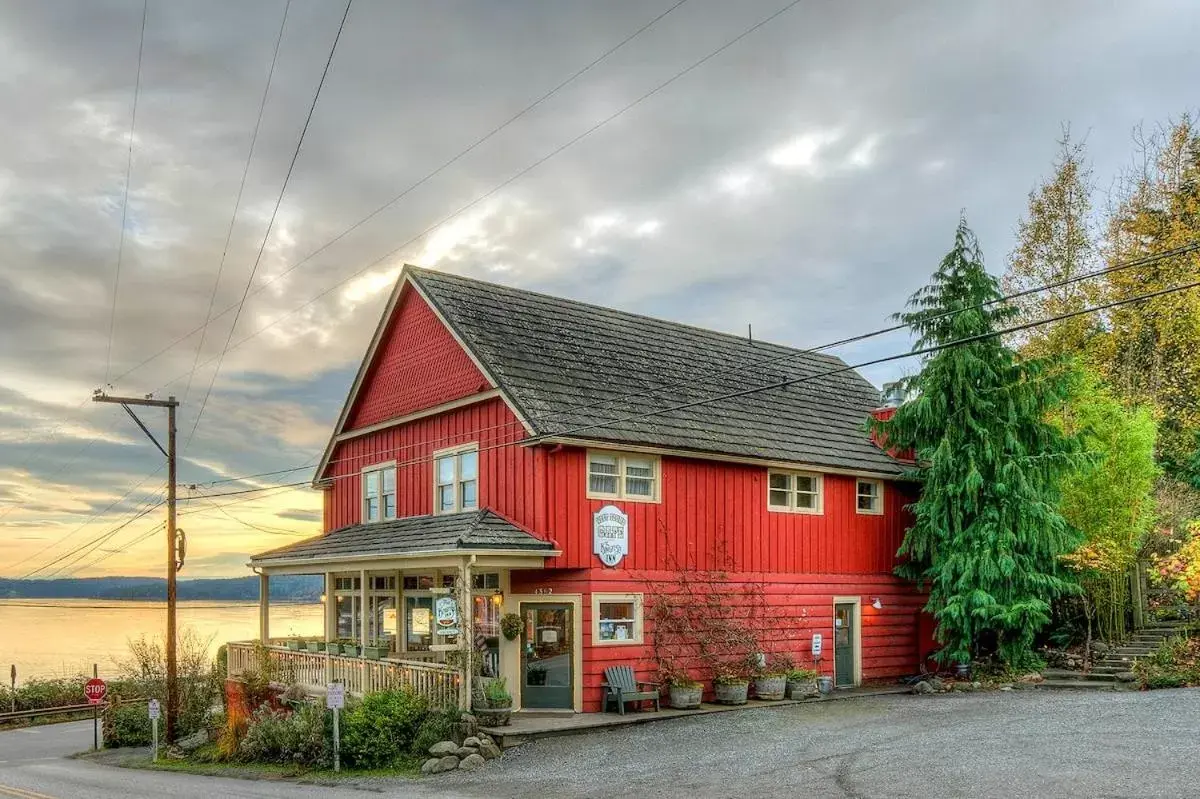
(301,588)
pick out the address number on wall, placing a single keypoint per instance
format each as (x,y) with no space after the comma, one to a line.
(543,590)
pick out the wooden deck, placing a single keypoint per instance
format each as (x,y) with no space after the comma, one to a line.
(530,725)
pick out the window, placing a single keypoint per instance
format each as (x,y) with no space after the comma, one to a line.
(869,497)
(614,475)
(618,619)
(797,492)
(418,623)
(486,581)
(456,480)
(418,582)
(379,493)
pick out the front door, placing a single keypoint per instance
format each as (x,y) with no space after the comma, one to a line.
(547,655)
(843,644)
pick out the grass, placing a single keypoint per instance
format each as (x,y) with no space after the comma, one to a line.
(141,759)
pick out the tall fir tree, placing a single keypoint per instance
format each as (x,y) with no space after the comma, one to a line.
(1153,350)
(987,536)
(1056,241)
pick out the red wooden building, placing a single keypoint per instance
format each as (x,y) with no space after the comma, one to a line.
(571,464)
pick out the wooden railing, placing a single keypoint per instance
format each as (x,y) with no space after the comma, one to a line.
(437,682)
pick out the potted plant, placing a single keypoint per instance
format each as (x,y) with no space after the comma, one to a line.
(535,674)
(511,626)
(333,647)
(770,679)
(801,683)
(350,650)
(684,693)
(731,688)
(293,644)
(493,706)
(376,649)
(314,645)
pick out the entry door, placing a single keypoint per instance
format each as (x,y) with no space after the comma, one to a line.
(843,644)
(547,656)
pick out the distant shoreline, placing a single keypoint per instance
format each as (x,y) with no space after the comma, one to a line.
(290,589)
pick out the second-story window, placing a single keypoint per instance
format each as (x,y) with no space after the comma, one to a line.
(456,480)
(617,475)
(379,493)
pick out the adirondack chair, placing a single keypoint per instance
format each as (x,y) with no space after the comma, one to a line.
(620,687)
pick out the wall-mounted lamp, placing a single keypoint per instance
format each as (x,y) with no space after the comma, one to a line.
(322,599)
(498,599)
(877,604)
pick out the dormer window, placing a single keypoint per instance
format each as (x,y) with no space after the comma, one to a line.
(379,492)
(456,479)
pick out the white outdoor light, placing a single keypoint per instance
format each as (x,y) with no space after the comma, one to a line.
(877,604)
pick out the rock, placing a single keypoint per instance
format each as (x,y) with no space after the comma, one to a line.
(194,741)
(486,739)
(430,766)
(447,763)
(1031,677)
(1006,687)
(490,751)
(464,751)
(467,718)
(1125,676)
(922,688)
(443,748)
(471,762)
(975,686)
(472,741)
(937,683)
(1100,649)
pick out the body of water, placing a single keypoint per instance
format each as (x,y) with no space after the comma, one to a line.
(64,637)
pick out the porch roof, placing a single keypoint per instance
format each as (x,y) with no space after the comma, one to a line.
(481,530)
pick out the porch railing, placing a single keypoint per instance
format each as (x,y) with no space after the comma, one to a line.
(437,682)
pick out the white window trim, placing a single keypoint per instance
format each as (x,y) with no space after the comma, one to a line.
(820,479)
(878,511)
(362,493)
(638,619)
(458,450)
(656,465)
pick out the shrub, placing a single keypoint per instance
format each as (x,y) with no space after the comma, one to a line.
(439,725)
(299,738)
(1175,664)
(380,730)
(127,724)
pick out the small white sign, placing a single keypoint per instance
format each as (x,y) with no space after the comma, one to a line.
(155,709)
(549,636)
(816,645)
(445,612)
(610,535)
(335,695)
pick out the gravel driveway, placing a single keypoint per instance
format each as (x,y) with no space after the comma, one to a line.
(1030,743)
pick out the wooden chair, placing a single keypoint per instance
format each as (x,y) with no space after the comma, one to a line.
(621,687)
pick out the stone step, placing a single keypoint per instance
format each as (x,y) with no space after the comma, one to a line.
(1067,674)
(1076,685)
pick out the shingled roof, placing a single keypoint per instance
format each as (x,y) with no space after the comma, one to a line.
(577,370)
(476,530)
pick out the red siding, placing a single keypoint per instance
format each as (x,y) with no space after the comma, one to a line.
(418,365)
(505,469)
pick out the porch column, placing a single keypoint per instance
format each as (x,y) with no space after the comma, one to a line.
(330,608)
(466,634)
(362,628)
(264,608)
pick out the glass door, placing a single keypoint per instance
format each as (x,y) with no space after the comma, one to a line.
(843,644)
(547,656)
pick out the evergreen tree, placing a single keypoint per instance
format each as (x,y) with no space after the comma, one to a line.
(1055,242)
(987,537)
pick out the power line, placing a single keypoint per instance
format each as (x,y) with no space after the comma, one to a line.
(237,203)
(91,545)
(137,86)
(252,526)
(270,225)
(109,553)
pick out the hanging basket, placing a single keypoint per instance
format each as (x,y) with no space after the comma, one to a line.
(511,626)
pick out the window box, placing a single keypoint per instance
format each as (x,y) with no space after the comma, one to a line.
(868,497)
(623,475)
(617,619)
(795,492)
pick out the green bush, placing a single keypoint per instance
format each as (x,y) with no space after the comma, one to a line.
(299,738)
(1175,664)
(439,725)
(380,730)
(127,725)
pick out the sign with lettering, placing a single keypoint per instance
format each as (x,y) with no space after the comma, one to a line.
(445,613)
(816,645)
(155,709)
(335,695)
(610,535)
(95,690)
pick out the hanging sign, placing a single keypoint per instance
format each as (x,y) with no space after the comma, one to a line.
(610,535)
(445,613)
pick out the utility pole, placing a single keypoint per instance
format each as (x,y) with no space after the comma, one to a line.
(175,545)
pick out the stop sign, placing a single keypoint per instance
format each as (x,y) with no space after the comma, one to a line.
(95,690)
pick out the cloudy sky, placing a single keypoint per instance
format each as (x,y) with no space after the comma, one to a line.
(805,180)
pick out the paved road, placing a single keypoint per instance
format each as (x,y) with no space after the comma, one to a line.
(1020,743)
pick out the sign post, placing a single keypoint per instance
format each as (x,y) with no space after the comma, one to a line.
(155,712)
(12,675)
(95,690)
(335,700)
